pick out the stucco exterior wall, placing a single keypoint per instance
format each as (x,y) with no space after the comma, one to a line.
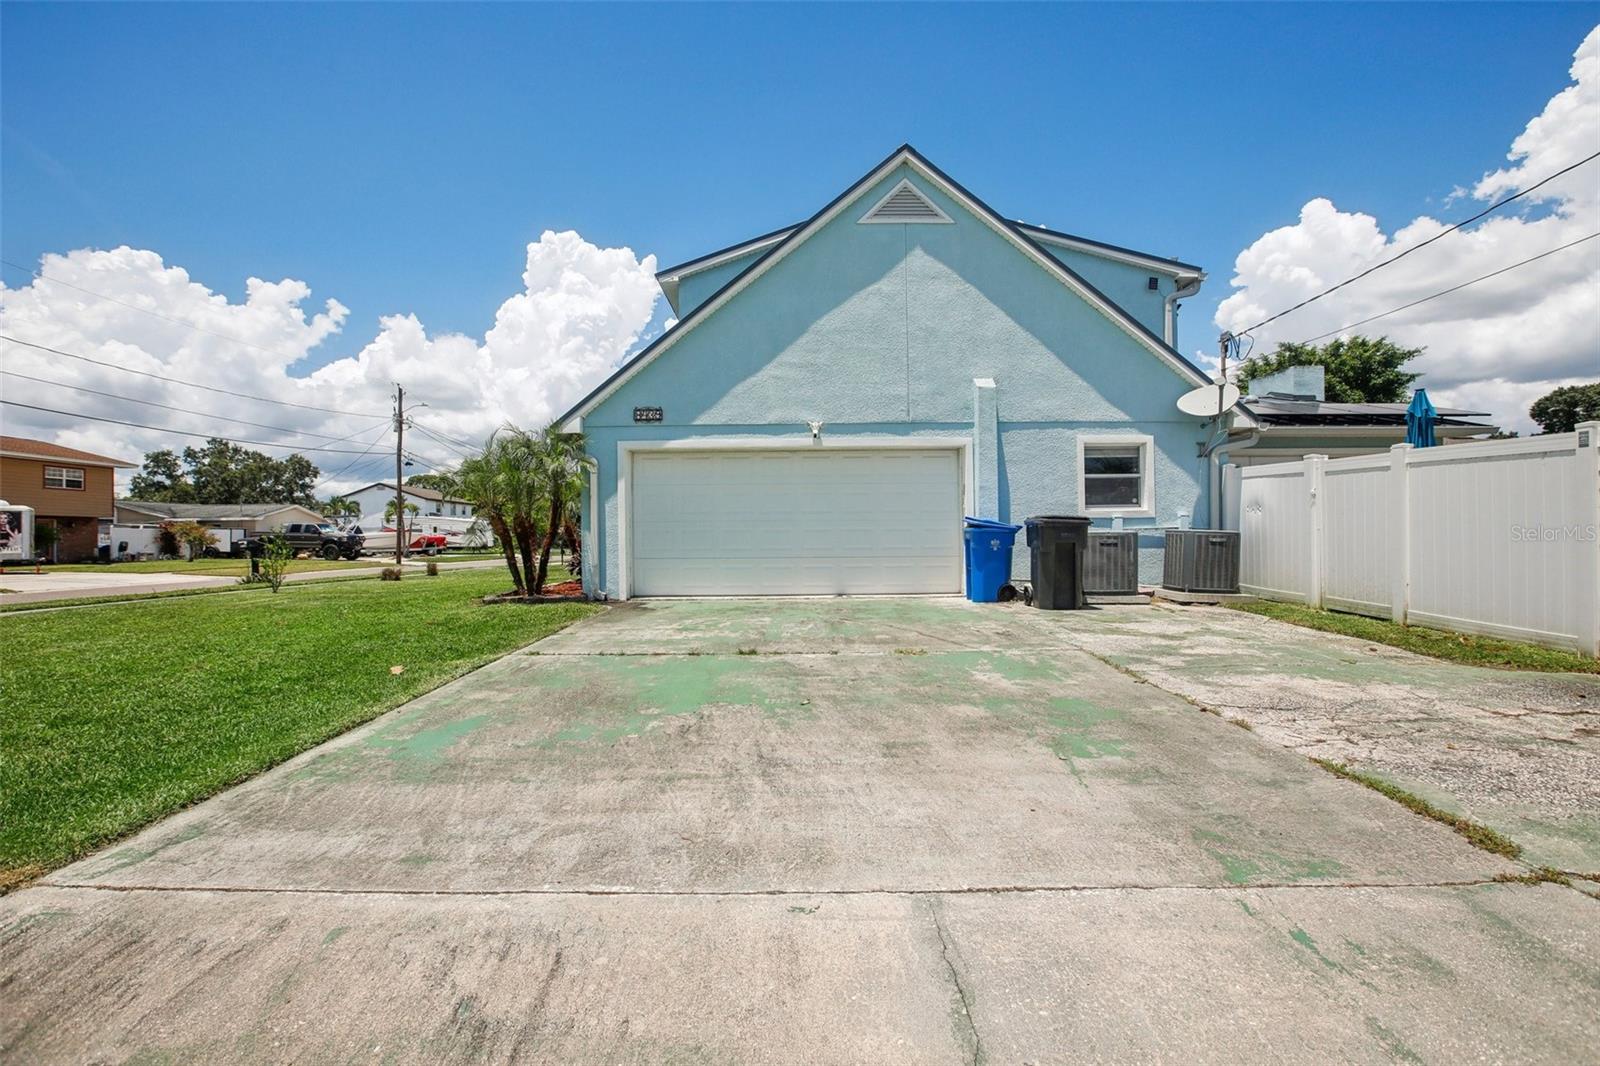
(1128,285)
(881,330)
(695,289)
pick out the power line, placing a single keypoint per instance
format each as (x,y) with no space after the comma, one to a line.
(328,437)
(443,441)
(180,432)
(384,432)
(1453,288)
(446,437)
(143,310)
(191,384)
(1421,244)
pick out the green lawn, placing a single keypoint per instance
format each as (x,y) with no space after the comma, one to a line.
(203,567)
(1456,647)
(119,715)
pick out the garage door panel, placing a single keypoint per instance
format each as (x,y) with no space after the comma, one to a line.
(795,523)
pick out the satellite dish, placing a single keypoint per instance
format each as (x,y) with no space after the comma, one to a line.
(1209,401)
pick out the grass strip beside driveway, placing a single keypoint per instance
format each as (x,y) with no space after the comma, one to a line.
(118,716)
(1437,643)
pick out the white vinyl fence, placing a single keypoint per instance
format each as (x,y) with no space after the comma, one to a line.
(1497,537)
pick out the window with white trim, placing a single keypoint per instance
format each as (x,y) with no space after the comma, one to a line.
(1114,475)
(63,477)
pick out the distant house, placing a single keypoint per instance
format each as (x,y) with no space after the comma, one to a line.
(250,517)
(72,490)
(1293,420)
(374,499)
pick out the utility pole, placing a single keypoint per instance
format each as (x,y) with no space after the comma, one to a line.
(399,474)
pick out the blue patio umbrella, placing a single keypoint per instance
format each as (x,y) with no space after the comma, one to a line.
(1420,417)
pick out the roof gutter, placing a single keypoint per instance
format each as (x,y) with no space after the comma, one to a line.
(1188,285)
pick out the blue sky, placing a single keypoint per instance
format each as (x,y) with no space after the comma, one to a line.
(399,158)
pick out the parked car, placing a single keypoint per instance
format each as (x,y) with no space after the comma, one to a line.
(313,538)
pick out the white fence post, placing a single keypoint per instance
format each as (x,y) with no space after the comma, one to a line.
(1586,482)
(1232,490)
(1315,578)
(1400,529)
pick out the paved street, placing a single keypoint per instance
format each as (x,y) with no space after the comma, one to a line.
(821,831)
(27,587)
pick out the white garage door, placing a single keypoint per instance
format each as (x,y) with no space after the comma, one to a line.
(795,523)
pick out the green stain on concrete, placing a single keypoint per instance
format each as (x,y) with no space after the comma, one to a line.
(1074,722)
(1245,907)
(640,691)
(418,859)
(123,858)
(334,934)
(427,746)
(1242,868)
(1392,1043)
(1303,938)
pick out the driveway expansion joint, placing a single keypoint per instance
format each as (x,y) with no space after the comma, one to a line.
(976,890)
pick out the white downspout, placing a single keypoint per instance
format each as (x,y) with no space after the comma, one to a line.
(1188,285)
(591,557)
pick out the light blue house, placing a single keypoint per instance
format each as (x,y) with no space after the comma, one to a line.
(838,393)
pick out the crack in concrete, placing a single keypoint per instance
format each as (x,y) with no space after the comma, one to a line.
(955,979)
(973,890)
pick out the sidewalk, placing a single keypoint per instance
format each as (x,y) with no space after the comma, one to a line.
(46,586)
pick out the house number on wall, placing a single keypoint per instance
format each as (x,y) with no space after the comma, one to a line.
(647,414)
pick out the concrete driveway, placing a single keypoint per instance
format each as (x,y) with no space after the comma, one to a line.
(807,831)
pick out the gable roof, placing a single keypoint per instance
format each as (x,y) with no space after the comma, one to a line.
(571,420)
(670,277)
(410,490)
(27,448)
(210,512)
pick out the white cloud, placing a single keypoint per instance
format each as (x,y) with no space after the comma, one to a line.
(1497,345)
(580,311)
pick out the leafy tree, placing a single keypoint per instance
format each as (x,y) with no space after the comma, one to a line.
(162,478)
(1560,410)
(224,472)
(439,481)
(1356,370)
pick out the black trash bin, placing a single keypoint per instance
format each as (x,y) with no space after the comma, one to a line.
(1057,543)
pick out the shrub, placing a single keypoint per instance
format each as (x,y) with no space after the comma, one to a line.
(433,568)
(167,541)
(390,573)
(275,558)
(194,537)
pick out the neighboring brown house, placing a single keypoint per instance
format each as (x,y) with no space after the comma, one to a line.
(72,490)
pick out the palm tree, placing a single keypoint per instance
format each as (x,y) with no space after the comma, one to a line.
(560,472)
(526,487)
(483,484)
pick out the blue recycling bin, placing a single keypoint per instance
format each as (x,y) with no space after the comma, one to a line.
(988,553)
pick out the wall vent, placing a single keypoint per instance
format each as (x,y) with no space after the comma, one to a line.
(905,203)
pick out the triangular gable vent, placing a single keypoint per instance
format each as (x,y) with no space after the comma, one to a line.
(905,203)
